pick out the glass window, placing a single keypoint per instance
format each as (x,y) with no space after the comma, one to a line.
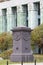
(4,20)
(25,10)
(14,16)
(38,21)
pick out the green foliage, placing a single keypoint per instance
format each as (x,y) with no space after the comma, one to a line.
(37,36)
(38,57)
(5,41)
(6,54)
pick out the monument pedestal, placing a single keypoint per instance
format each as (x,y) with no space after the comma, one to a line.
(21,45)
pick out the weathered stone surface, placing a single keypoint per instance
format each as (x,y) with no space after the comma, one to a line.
(21,45)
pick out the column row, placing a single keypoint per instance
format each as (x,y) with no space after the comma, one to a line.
(20,16)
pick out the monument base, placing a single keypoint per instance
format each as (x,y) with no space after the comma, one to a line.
(21,45)
(19,58)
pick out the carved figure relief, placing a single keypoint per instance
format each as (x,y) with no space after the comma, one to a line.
(26,36)
(16,36)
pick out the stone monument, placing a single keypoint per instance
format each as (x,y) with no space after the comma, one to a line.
(21,45)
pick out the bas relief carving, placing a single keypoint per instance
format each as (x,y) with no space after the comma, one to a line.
(16,36)
(25,36)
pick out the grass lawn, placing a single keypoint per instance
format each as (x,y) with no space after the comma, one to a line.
(39,58)
(4,62)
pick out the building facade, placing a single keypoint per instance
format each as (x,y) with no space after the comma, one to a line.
(17,13)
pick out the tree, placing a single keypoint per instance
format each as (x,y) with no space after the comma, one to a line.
(37,36)
(5,41)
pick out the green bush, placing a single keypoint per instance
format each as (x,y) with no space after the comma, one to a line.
(37,37)
(6,54)
(5,41)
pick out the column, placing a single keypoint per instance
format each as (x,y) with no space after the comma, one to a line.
(0,21)
(32,16)
(9,19)
(21,16)
(41,11)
